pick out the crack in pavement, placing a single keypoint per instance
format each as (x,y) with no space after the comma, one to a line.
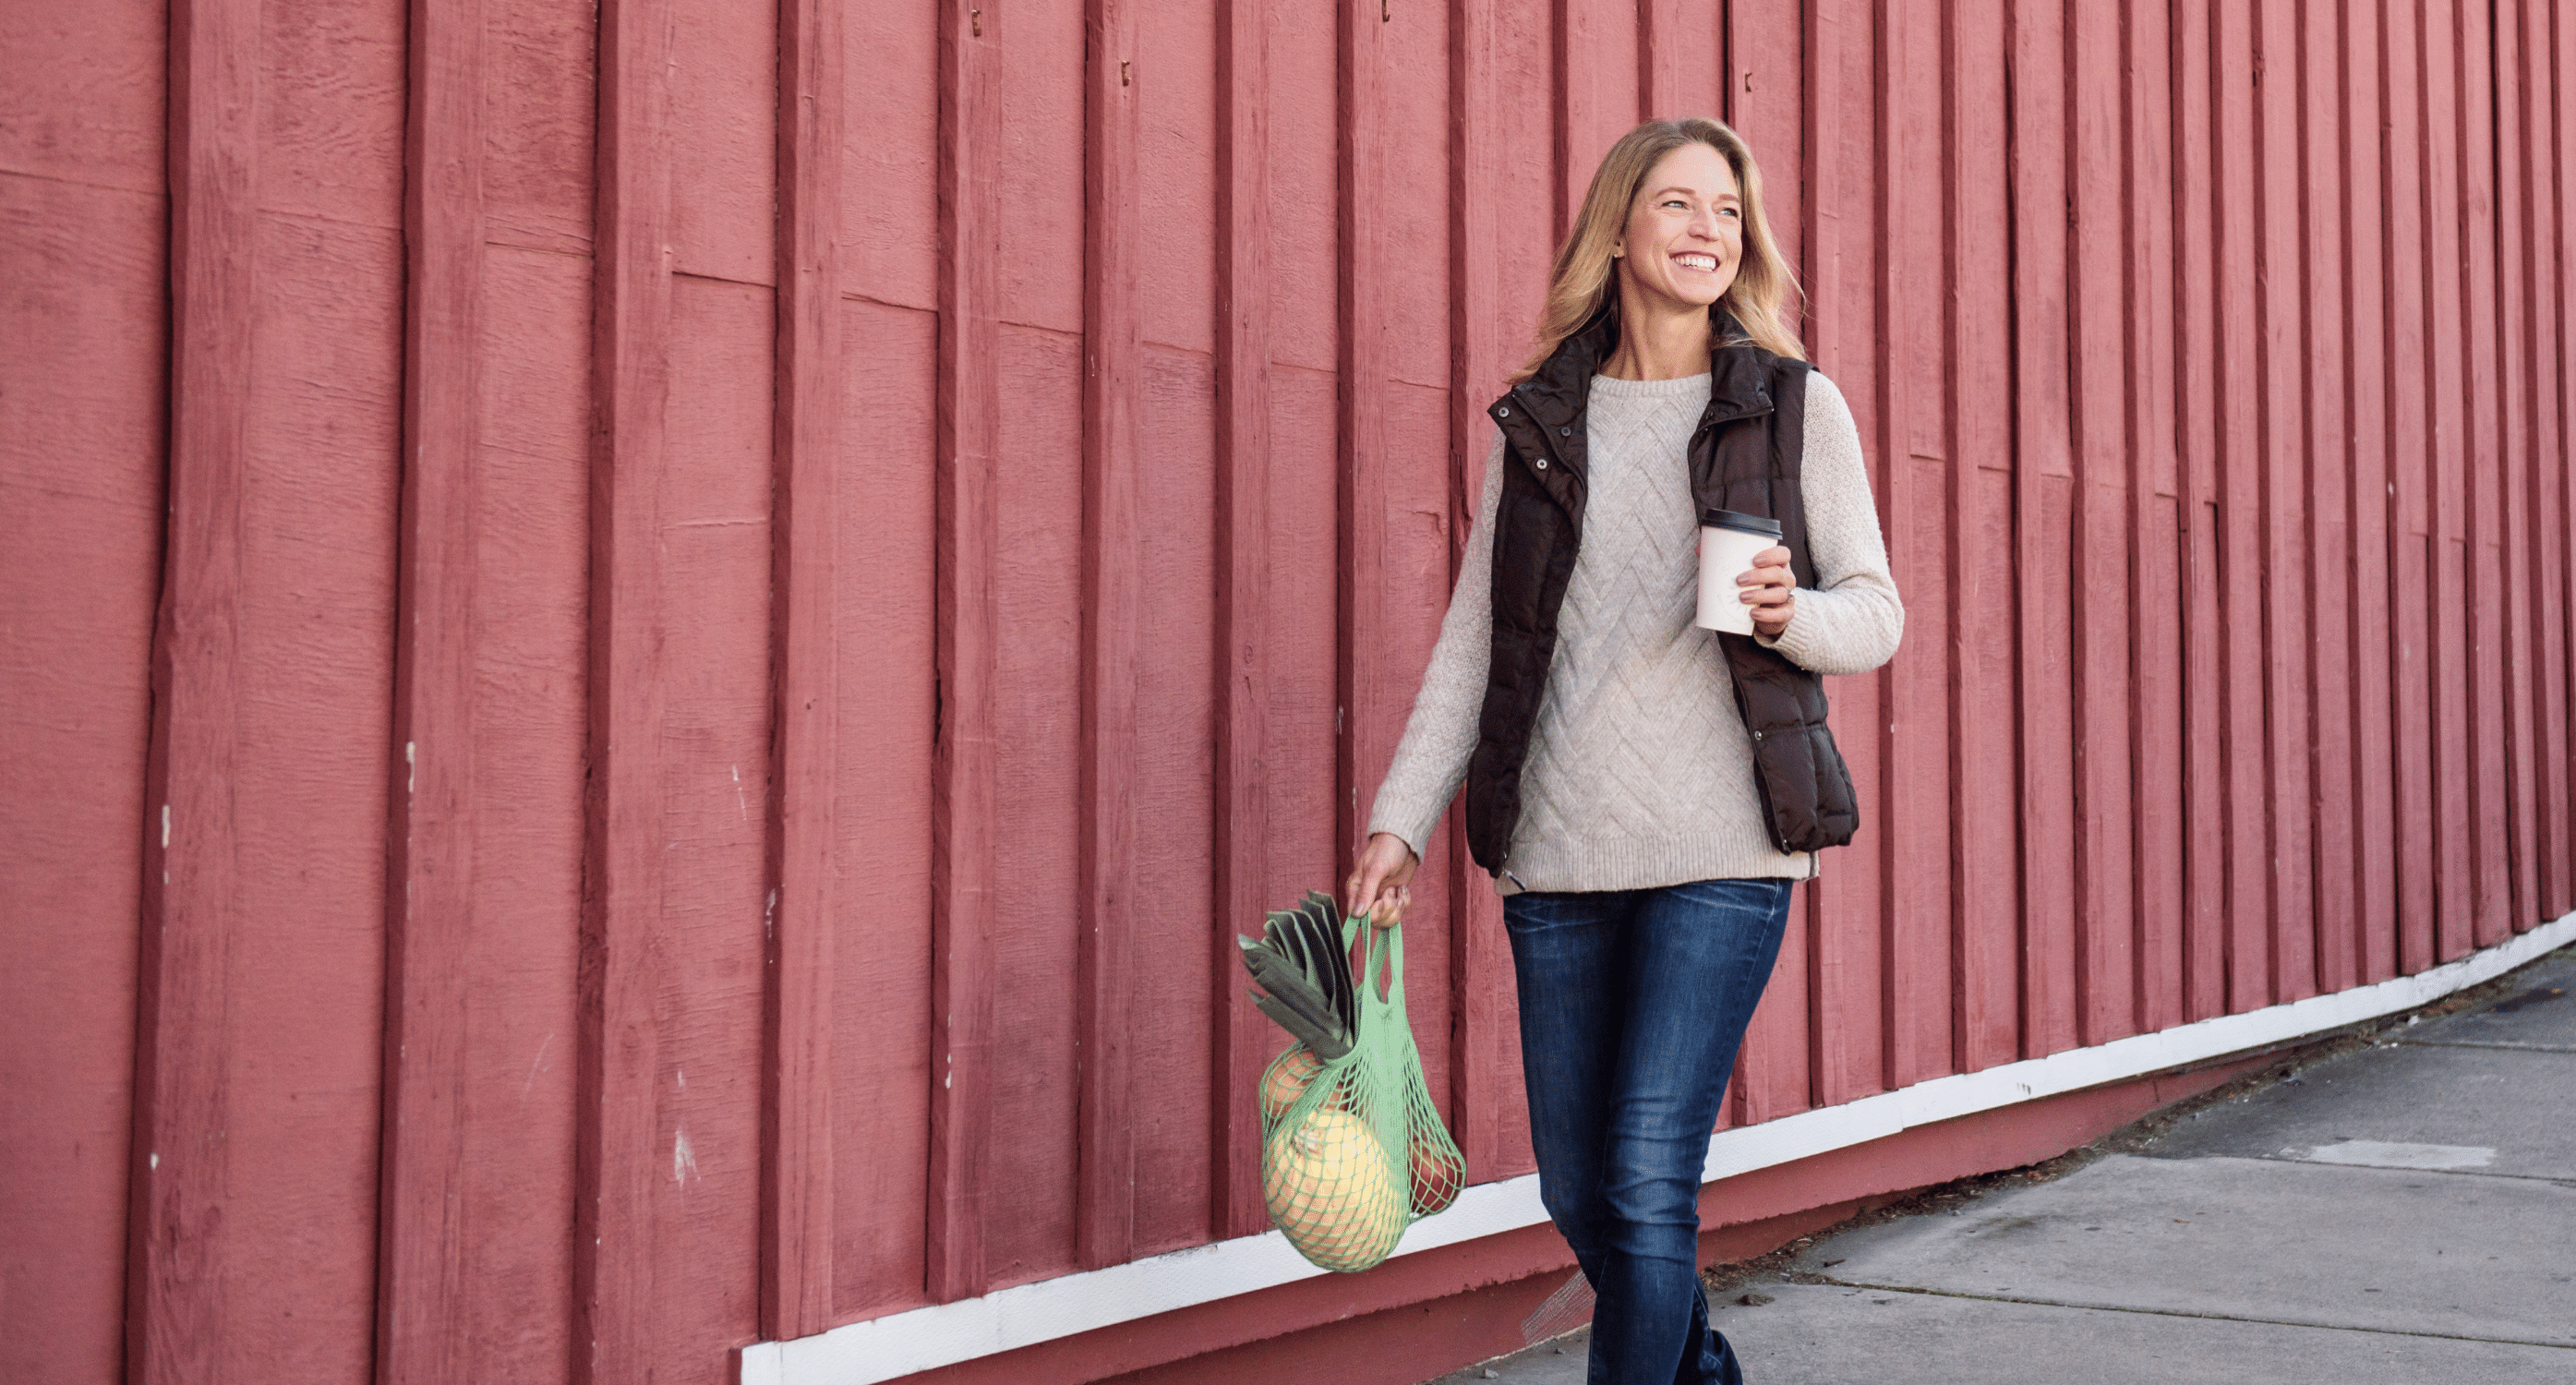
(2559,1180)
(1819,1279)
(2465,1043)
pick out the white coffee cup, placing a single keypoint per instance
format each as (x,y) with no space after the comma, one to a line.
(1727,543)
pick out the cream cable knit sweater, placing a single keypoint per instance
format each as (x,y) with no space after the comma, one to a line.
(1639,772)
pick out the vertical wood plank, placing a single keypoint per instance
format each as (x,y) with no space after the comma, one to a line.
(2367,224)
(962,846)
(1665,87)
(1848,211)
(2517,266)
(175,1231)
(1574,52)
(1988,901)
(84,466)
(2410,520)
(1105,1183)
(2239,460)
(2448,623)
(2508,479)
(1895,719)
(2195,343)
(1240,1039)
(2484,409)
(1484,1060)
(797,1184)
(2280,440)
(2106,606)
(2539,171)
(430,877)
(1775,1072)
(2043,531)
(1364,743)
(2562,517)
(2328,467)
(2558,38)
(2156,513)
(620,976)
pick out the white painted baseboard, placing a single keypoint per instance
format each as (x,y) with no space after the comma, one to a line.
(900,1344)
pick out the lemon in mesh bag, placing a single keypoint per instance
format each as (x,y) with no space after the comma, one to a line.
(1352,1148)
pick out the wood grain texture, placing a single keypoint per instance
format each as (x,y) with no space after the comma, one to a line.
(177,1252)
(2483,411)
(2195,318)
(797,1234)
(2457,822)
(2327,466)
(1772,42)
(2241,455)
(2043,533)
(624,861)
(2281,442)
(2155,496)
(2367,632)
(1985,961)
(1494,261)
(1105,1219)
(1919,458)
(421,1293)
(83,460)
(2511,486)
(962,845)
(2410,515)
(2106,608)
(1364,743)
(2558,263)
(2536,86)
(1851,218)
(1240,1036)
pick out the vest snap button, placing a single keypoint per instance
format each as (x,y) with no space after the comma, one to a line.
(1501,411)
(1565,432)
(1542,463)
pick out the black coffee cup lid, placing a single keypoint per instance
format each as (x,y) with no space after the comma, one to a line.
(1742,523)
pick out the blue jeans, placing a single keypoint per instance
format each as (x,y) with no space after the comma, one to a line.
(1632,1005)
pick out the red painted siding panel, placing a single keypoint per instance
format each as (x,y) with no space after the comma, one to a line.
(84,343)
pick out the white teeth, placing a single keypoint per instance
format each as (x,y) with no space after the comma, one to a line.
(1707,262)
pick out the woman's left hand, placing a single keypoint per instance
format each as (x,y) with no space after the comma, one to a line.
(1770,590)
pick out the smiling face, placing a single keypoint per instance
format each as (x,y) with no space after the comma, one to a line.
(1685,232)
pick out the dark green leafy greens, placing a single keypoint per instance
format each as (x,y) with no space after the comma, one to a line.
(1302,964)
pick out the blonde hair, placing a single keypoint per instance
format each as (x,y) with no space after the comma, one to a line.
(1581,283)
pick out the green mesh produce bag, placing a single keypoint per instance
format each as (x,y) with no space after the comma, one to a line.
(1352,1150)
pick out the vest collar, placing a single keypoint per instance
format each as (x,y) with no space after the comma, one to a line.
(1739,380)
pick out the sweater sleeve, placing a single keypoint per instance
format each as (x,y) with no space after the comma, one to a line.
(1851,621)
(1431,761)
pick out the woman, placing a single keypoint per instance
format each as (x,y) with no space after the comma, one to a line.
(1644,835)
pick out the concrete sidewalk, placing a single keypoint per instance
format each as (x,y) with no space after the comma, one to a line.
(2396,1213)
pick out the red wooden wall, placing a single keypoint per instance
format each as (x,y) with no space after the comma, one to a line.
(648,650)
